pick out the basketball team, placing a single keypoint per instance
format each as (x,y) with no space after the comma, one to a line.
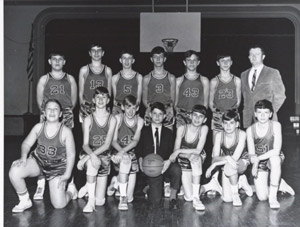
(174,128)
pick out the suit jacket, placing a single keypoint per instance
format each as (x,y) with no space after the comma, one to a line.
(268,86)
(146,143)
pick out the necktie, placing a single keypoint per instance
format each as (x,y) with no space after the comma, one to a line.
(156,139)
(253,81)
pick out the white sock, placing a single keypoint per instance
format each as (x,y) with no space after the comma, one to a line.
(91,189)
(234,189)
(23,195)
(273,191)
(123,189)
(196,188)
(41,182)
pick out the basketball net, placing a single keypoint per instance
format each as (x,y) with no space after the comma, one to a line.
(169,44)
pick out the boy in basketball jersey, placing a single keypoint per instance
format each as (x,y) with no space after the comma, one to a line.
(61,86)
(229,151)
(54,157)
(264,139)
(188,150)
(191,89)
(98,131)
(158,139)
(126,82)
(126,137)
(225,94)
(92,76)
(159,86)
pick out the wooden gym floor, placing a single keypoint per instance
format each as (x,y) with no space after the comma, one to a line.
(253,213)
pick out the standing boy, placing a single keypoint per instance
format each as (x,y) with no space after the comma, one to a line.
(264,139)
(158,139)
(126,138)
(61,86)
(126,82)
(98,131)
(191,89)
(92,76)
(188,150)
(159,86)
(230,152)
(225,94)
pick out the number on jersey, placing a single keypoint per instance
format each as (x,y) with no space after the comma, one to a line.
(96,83)
(191,92)
(57,89)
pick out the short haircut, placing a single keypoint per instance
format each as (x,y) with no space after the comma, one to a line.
(101,90)
(96,45)
(130,100)
(56,53)
(264,104)
(223,55)
(55,101)
(199,109)
(257,46)
(126,51)
(158,50)
(158,105)
(189,53)
(229,115)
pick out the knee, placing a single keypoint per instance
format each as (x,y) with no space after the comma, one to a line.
(176,170)
(275,162)
(91,170)
(229,171)
(14,173)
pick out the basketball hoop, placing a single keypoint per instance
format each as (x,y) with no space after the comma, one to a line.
(169,44)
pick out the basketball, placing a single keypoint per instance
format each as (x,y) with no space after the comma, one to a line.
(152,165)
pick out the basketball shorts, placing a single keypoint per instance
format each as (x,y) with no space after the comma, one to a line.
(134,162)
(183,117)
(168,121)
(68,117)
(105,158)
(185,163)
(265,164)
(51,168)
(86,109)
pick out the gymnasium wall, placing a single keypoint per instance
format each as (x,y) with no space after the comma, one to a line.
(17,28)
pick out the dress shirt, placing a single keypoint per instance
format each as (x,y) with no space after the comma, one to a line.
(251,73)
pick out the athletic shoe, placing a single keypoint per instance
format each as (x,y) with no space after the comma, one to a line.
(90,206)
(236,200)
(39,193)
(284,187)
(100,202)
(145,190)
(23,205)
(181,192)
(83,192)
(243,183)
(112,187)
(167,190)
(197,204)
(123,203)
(273,202)
(72,188)
(173,205)
(117,194)
(214,186)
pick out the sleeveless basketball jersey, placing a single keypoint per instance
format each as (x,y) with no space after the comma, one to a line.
(191,92)
(225,97)
(159,90)
(51,150)
(230,150)
(126,132)
(98,133)
(126,87)
(59,90)
(92,81)
(189,145)
(265,143)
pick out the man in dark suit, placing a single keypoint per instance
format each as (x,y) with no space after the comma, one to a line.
(158,139)
(260,82)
